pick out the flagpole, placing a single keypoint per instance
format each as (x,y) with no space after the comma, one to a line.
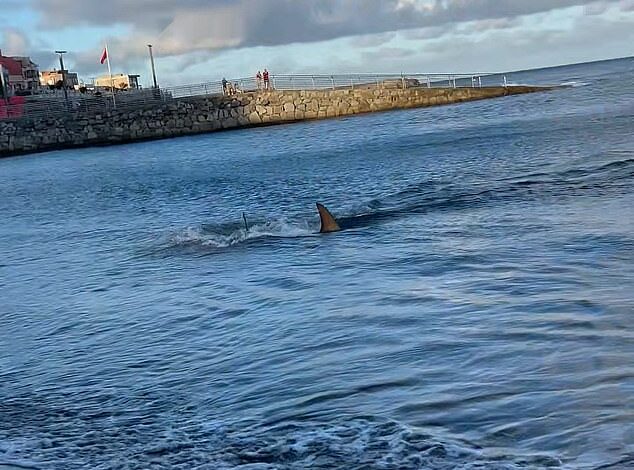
(114,100)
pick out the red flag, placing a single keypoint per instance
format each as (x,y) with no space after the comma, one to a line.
(104,56)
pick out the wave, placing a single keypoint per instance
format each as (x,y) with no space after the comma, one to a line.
(355,442)
(11,457)
(570,83)
(598,173)
(223,236)
(618,165)
(575,84)
(17,465)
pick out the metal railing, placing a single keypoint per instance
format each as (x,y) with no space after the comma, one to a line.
(80,104)
(347,81)
(85,104)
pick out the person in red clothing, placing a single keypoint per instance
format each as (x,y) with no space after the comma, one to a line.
(265,76)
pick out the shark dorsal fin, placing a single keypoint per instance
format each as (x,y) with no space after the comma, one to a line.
(328,222)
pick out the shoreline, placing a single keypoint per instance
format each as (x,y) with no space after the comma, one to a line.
(205,114)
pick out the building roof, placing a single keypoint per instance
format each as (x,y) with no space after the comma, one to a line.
(25,61)
(13,66)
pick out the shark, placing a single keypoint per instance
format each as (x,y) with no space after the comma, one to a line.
(328,222)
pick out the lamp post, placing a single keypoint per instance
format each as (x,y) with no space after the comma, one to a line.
(149,46)
(61,64)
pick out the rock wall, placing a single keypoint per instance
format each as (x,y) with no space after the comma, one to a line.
(189,116)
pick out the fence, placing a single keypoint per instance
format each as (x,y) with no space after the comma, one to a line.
(79,104)
(321,82)
(82,104)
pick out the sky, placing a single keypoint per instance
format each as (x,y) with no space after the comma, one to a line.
(203,40)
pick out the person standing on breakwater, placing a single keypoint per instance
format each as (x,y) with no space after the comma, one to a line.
(265,75)
(258,80)
(224,86)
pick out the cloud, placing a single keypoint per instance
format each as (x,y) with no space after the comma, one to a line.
(388,53)
(191,25)
(492,24)
(14,5)
(190,34)
(513,49)
(433,32)
(14,42)
(626,5)
(372,40)
(124,56)
(596,8)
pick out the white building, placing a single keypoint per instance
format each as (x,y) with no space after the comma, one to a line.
(119,82)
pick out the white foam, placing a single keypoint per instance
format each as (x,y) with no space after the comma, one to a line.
(575,84)
(517,84)
(199,235)
(11,456)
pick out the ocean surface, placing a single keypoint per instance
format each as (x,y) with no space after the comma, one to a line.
(478,313)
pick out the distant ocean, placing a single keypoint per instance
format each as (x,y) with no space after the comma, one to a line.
(479,314)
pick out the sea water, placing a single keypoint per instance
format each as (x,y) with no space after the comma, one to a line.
(477,313)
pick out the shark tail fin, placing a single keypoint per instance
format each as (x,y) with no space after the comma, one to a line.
(328,222)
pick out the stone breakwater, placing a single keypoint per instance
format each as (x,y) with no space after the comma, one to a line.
(195,115)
